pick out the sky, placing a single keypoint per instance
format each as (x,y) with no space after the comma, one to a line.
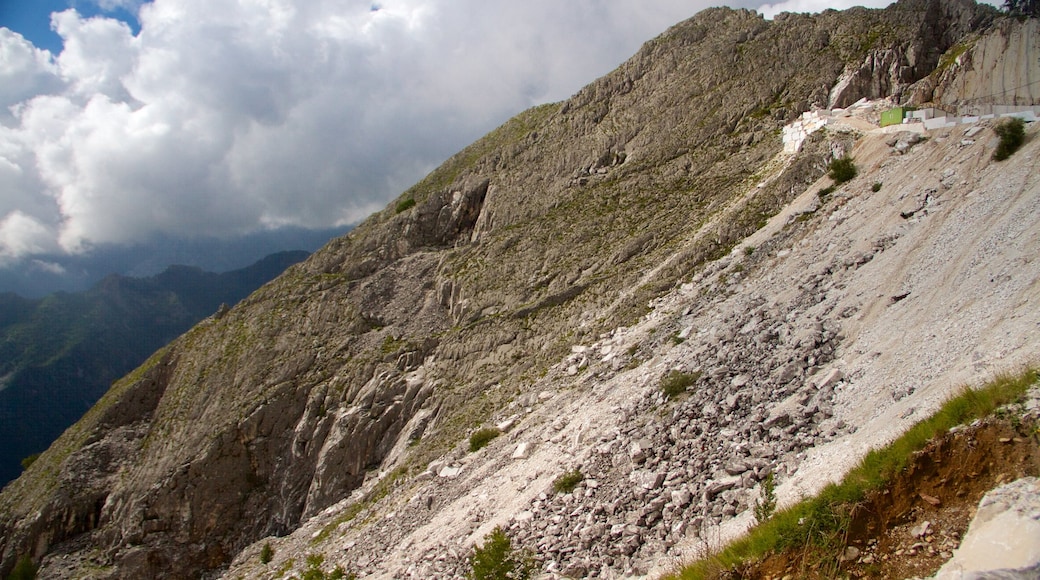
(123,121)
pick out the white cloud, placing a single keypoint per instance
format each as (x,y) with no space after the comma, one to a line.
(25,71)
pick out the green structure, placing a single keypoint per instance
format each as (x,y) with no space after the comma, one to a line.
(892,117)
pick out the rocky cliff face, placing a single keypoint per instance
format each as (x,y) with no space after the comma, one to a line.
(504,285)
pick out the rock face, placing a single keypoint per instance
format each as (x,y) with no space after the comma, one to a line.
(543,279)
(999,68)
(1003,540)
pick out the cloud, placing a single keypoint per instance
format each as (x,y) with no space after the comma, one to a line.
(225,117)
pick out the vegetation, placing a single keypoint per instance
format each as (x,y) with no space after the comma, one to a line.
(1027,8)
(823,193)
(675,382)
(842,170)
(821,521)
(876,187)
(568,481)
(766,505)
(497,560)
(266,553)
(1012,133)
(481,437)
(28,461)
(23,570)
(315,572)
(405,205)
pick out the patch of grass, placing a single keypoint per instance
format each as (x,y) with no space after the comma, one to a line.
(315,572)
(876,187)
(842,170)
(566,482)
(674,383)
(404,205)
(824,193)
(498,560)
(266,553)
(25,569)
(1012,133)
(481,437)
(820,521)
(28,461)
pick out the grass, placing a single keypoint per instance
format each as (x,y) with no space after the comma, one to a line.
(566,482)
(498,560)
(674,383)
(404,205)
(481,437)
(820,521)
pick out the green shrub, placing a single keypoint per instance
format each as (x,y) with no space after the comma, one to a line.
(497,560)
(842,170)
(23,570)
(876,187)
(823,193)
(568,481)
(481,437)
(1012,134)
(405,205)
(674,383)
(30,460)
(266,553)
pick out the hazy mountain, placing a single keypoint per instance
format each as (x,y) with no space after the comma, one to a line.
(46,274)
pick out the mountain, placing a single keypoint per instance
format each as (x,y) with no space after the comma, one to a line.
(638,288)
(44,274)
(59,354)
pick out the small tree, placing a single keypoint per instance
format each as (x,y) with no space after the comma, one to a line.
(766,505)
(497,560)
(266,553)
(1012,133)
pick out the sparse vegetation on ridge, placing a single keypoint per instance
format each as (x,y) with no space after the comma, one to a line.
(820,522)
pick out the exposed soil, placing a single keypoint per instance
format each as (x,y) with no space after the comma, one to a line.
(911,528)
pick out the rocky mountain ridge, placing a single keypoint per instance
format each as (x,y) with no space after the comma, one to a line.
(545,279)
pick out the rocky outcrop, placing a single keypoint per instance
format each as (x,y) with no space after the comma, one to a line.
(1003,537)
(999,68)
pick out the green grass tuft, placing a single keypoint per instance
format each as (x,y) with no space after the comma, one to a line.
(675,382)
(481,437)
(566,482)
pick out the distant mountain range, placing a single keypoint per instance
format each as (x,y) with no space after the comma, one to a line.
(46,274)
(59,354)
